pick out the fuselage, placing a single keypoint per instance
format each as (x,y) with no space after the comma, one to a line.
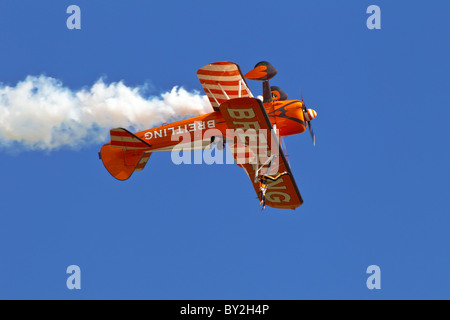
(195,133)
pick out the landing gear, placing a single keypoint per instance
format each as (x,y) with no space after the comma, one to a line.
(218,142)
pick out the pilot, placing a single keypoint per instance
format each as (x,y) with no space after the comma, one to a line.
(276,93)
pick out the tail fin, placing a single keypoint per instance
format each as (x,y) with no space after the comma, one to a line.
(125,154)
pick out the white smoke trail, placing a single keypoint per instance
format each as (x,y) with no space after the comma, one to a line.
(39,113)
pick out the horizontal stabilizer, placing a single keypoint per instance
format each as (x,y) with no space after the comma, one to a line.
(124,139)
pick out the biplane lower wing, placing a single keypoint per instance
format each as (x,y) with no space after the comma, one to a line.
(125,154)
(259,151)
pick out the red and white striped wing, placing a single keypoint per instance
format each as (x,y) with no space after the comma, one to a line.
(223,81)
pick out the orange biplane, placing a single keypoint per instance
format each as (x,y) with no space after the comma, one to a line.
(250,126)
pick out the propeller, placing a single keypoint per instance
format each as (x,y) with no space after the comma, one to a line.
(309,121)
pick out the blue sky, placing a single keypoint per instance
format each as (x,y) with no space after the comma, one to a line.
(375,186)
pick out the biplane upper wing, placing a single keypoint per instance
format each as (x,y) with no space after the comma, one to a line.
(223,81)
(259,151)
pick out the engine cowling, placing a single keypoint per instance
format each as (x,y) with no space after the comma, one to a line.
(288,117)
